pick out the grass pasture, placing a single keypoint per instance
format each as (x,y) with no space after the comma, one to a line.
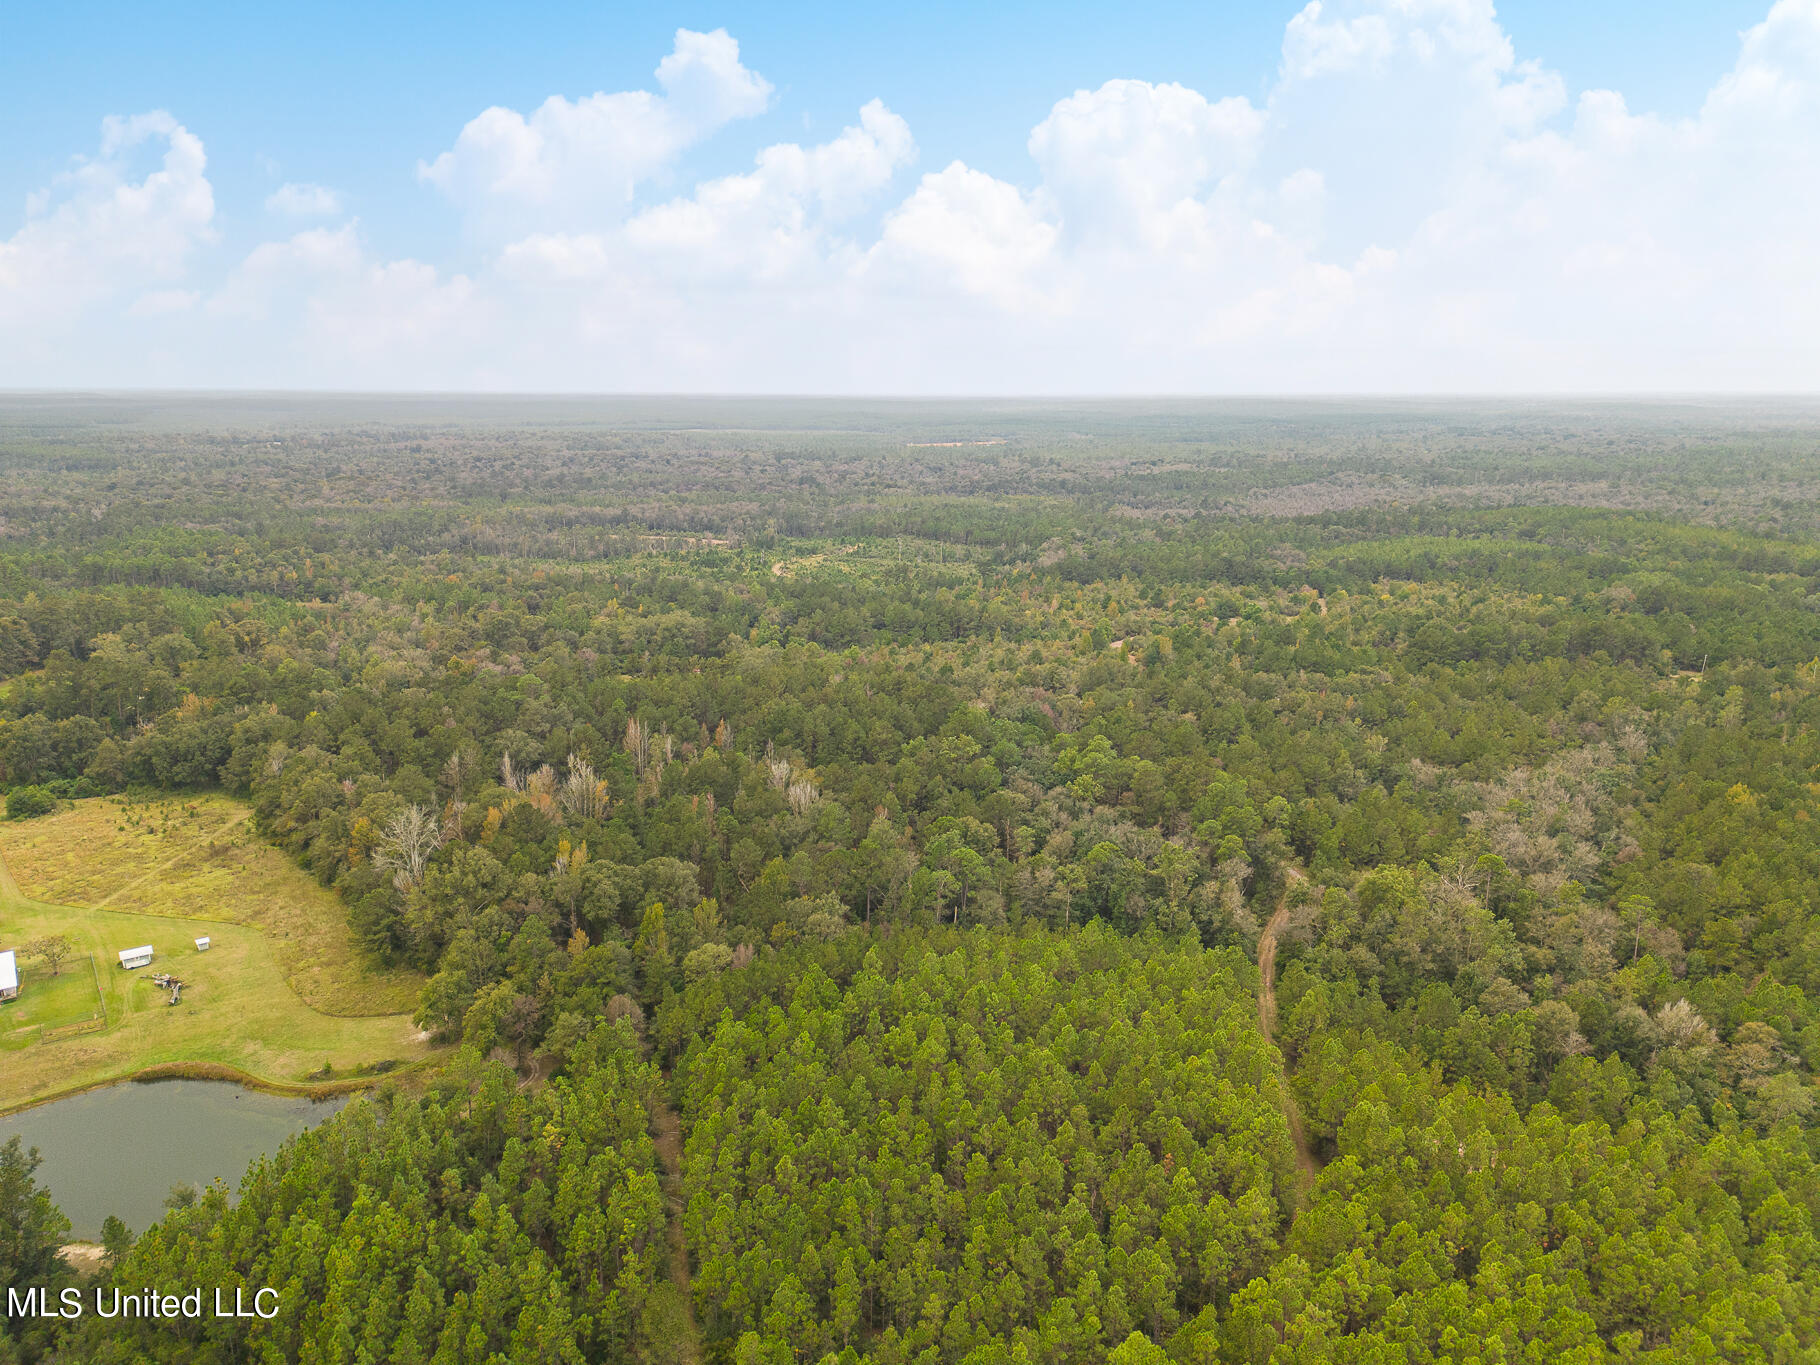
(51,1002)
(198,858)
(242,1007)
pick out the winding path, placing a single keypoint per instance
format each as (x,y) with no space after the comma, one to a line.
(1267,1021)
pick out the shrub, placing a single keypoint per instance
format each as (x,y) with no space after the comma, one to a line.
(23,803)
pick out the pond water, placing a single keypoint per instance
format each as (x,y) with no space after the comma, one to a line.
(120,1149)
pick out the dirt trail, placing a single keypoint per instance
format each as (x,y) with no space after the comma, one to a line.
(1267,1021)
(687,1347)
(178,857)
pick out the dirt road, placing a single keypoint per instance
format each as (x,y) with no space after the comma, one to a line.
(1267,1021)
(684,1344)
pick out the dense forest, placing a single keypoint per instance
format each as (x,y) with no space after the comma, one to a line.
(1187,882)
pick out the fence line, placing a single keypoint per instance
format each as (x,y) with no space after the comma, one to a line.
(70,1030)
(95,1023)
(100,995)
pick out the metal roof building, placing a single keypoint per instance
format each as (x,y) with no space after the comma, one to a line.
(9,975)
(136,957)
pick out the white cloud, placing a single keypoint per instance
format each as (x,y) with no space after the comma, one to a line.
(1410,206)
(96,231)
(162,302)
(574,162)
(778,217)
(1121,161)
(290,270)
(1777,70)
(321,308)
(304,201)
(1399,106)
(964,230)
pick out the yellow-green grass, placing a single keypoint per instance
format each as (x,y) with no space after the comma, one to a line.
(198,858)
(237,1012)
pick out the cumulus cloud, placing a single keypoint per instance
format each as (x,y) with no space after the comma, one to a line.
(963,231)
(1411,205)
(291,270)
(572,162)
(341,311)
(760,250)
(1126,159)
(96,231)
(1399,107)
(777,218)
(304,201)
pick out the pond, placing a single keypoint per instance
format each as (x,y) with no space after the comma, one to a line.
(120,1149)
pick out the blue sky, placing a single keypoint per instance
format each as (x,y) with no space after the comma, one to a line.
(352,98)
(356,94)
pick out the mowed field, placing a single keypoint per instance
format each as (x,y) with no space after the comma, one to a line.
(244,1002)
(70,997)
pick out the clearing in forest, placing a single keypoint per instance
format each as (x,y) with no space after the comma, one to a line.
(236,1013)
(196,857)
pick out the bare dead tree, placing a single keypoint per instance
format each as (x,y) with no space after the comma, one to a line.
(637,744)
(405,846)
(583,793)
(509,777)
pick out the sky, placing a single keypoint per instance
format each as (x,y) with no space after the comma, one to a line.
(1343,196)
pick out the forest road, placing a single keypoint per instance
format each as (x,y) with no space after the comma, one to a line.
(1267,1021)
(684,1345)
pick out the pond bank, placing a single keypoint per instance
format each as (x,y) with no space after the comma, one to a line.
(120,1149)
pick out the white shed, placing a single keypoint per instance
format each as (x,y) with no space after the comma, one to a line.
(202,944)
(136,957)
(9,975)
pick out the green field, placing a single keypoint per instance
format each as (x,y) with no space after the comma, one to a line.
(71,997)
(239,1009)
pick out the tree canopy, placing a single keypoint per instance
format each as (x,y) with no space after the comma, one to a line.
(905,820)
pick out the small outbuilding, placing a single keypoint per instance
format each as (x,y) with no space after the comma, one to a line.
(9,975)
(136,957)
(202,944)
